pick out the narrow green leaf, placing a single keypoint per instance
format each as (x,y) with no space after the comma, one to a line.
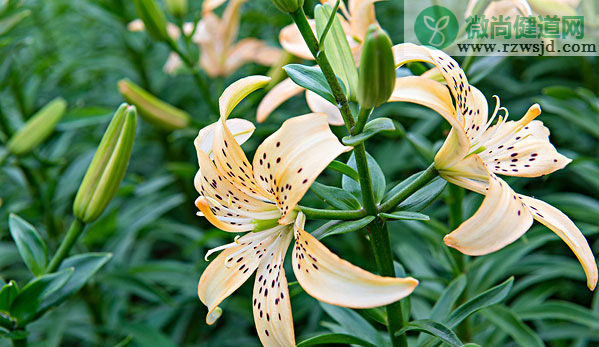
(85,266)
(29,243)
(376,173)
(334,338)
(25,305)
(311,78)
(10,22)
(7,294)
(485,299)
(506,320)
(560,310)
(422,145)
(344,169)
(405,215)
(448,298)
(336,197)
(424,196)
(371,128)
(354,324)
(342,227)
(435,329)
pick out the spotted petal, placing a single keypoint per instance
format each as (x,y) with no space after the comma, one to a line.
(500,220)
(241,129)
(289,160)
(275,97)
(272,308)
(333,280)
(231,269)
(559,223)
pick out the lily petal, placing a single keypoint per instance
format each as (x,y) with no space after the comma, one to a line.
(318,104)
(209,213)
(238,91)
(230,22)
(333,280)
(292,41)
(560,224)
(289,160)
(500,220)
(251,50)
(275,97)
(226,273)
(362,16)
(272,308)
(210,5)
(241,129)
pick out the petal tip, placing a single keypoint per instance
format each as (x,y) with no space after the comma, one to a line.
(213,315)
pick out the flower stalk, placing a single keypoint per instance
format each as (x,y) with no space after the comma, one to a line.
(72,236)
(315,213)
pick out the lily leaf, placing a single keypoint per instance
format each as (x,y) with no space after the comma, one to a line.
(405,215)
(433,328)
(311,78)
(7,294)
(344,169)
(508,321)
(376,173)
(335,197)
(32,248)
(336,227)
(371,128)
(334,338)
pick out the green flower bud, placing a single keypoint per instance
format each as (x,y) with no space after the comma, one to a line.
(377,69)
(177,8)
(288,6)
(153,17)
(153,110)
(264,224)
(38,128)
(107,169)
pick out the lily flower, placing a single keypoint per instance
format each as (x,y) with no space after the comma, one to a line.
(220,55)
(261,197)
(476,151)
(357,19)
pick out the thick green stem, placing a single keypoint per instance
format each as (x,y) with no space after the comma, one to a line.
(365,180)
(315,213)
(425,177)
(198,77)
(299,17)
(363,115)
(65,246)
(381,246)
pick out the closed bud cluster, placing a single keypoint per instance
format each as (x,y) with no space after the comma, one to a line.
(177,8)
(288,6)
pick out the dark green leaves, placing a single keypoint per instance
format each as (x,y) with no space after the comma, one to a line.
(405,215)
(435,329)
(505,319)
(337,227)
(311,78)
(371,128)
(29,243)
(378,179)
(336,197)
(335,338)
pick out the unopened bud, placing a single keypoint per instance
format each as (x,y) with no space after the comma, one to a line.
(152,109)
(264,224)
(107,169)
(288,6)
(38,128)
(153,17)
(177,8)
(377,69)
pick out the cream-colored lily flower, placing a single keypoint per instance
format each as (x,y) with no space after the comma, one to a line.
(261,197)
(355,24)
(220,55)
(475,151)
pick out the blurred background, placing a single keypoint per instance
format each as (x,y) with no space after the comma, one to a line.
(146,294)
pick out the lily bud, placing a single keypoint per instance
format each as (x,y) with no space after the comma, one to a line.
(377,69)
(177,8)
(152,109)
(38,128)
(288,6)
(153,17)
(107,169)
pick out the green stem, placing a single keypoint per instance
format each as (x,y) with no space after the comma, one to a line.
(198,77)
(65,247)
(365,180)
(299,17)
(363,116)
(425,177)
(383,255)
(315,213)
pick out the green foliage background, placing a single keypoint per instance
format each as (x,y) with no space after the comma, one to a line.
(146,294)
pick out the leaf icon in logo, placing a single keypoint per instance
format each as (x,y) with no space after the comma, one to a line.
(438,26)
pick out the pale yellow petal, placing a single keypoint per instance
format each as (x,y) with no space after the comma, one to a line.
(560,224)
(230,22)
(136,25)
(173,63)
(500,220)
(362,16)
(241,130)
(319,104)
(275,97)
(251,50)
(271,305)
(238,91)
(202,203)
(230,270)
(210,5)
(330,279)
(290,159)
(292,41)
